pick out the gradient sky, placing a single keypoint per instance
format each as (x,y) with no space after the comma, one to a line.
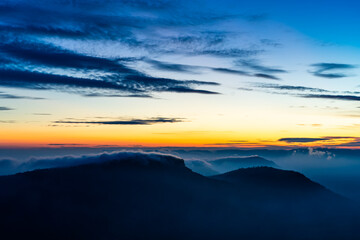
(179,73)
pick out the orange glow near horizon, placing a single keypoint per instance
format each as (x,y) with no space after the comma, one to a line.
(34,138)
(203,131)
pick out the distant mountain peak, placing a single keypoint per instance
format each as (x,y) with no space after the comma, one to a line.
(227,164)
(245,159)
(128,157)
(271,178)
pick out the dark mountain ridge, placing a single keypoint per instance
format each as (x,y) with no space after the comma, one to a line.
(284,185)
(162,199)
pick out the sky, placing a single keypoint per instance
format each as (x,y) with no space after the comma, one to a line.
(273,74)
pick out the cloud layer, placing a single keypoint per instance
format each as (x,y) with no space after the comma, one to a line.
(32,66)
(35,52)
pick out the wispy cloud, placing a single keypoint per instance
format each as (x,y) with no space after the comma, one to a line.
(117,95)
(310,140)
(66,144)
(122,21)
(110,74)
(330,70)
(258,69)
(36,53)
(268,76)
(269,42)
(7,121)
(36,60)
(5,109)
(42,114)
(334,97)
(231,71)
(172,67)
(255,65)
(307,92)
(14,96)
(194,69)
(40,80)
(301,140)
(233,53)
(135,121)
(288,87)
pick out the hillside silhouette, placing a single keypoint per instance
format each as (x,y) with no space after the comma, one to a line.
(157,197)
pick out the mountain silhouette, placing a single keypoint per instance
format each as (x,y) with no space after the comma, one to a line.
(157,197)
(223,165)
(283,185)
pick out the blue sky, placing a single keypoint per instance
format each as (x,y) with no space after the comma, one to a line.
(179,73)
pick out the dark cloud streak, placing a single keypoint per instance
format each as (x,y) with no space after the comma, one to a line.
(267,76)
(5,109)
(289,87)
(333,97)
(172,67)
(12,96)
(39,80)
(301,140)
(325,70)
(231,71)
(117,95)
(149,121)
(183,68)
(48,55)
(251,64)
